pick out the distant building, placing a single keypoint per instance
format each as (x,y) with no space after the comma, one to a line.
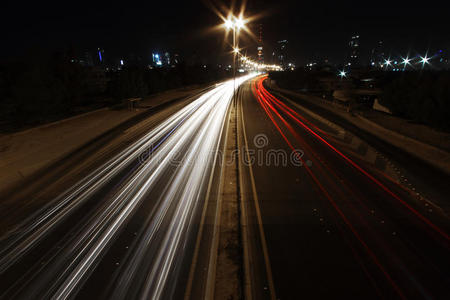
(354,51)
(166,60)
(279,55)
(176,59)
(441,59)
(156,59)
(260,46)
(377,55)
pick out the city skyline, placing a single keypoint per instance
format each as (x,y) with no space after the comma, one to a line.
(402,28)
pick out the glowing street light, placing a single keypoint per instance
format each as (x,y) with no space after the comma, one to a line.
(235,23)
(406,61)
(388,62)
(228,23)
(239,22)
(343,74)
(424,60)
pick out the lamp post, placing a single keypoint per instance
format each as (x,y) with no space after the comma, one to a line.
(234,24)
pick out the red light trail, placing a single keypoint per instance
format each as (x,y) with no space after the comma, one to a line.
(274,107)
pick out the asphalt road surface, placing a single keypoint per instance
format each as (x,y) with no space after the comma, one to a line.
(334,226)
(119,217)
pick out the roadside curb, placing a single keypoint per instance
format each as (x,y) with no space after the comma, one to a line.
(18,176)
(110,107)
(369,157)
(432,155)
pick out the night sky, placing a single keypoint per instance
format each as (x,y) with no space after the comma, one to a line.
(314,29)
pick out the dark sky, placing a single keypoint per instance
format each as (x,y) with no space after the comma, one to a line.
(313,28)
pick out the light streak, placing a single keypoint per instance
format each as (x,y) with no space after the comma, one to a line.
(264,102)
(191,133)
(367,175)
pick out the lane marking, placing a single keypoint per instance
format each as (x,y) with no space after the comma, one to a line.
(258,213)
(215,241)
(212,265)
(243,219)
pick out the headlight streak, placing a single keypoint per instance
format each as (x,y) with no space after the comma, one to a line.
(37,225)
(151,171)
(196,129)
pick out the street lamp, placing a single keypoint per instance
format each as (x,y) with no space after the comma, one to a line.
(387,63)
(406,61)
(235,24)
(228,23)
(239,23)
(424,60)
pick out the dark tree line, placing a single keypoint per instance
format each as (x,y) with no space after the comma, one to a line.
(47,88)
(298,79)
(420,96)
(33,91)
(140,81)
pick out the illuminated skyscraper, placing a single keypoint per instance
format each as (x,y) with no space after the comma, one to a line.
(260,46)
(354,51)
(279,55)
(377,57)
(156,58)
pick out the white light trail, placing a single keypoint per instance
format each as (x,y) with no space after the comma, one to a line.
(192,133)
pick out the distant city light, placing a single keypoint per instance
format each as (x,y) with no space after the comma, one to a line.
(388,62)
(343,74)
(406,61)
(424,60)
(236,50)
(121,62)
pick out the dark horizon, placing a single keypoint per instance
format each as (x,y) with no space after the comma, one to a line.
(314,30)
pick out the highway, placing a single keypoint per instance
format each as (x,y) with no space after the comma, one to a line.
(127,228)
(121,217)
(326,223)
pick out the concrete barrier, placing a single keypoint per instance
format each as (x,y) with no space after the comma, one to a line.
(432,155)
